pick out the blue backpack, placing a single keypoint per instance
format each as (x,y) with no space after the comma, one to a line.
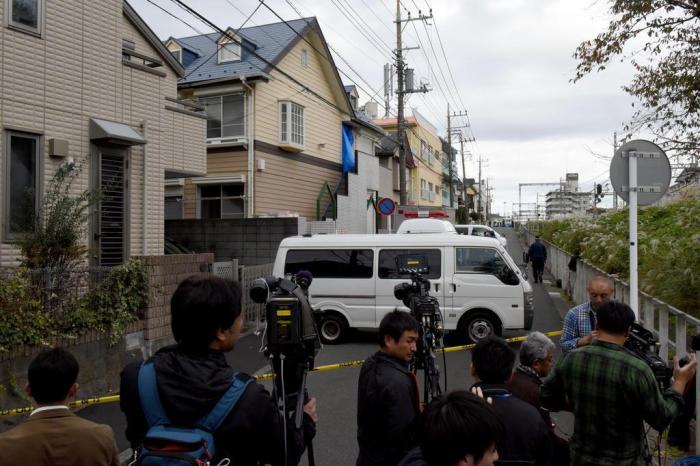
(166,445)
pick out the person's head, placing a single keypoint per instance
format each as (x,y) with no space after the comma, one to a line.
(460,429)
(206,313)
(537,352)
(51,377)
(398,333)
(492,360)
(615,318)
(537,238)
(600,288)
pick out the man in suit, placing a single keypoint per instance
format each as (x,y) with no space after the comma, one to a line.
(53,435)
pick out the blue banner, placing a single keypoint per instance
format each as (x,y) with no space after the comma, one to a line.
(348,150)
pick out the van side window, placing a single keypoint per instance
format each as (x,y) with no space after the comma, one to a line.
(388,267)
(479,260)
(479,231)
(331,263)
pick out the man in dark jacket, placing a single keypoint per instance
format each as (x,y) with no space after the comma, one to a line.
(526,437)
(536,361)
(192,376)
(537,254)
(388,407)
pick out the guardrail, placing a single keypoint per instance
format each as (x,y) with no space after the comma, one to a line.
(670,325)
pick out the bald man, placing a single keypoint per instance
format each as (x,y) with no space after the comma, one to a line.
(580,322)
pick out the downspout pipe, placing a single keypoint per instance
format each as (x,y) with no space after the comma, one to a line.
(250,191)
(144,250)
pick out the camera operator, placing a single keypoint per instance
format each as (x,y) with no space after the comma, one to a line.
(193,375)
(388,407)
(612,393)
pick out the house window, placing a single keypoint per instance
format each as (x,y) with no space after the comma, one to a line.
(291,124)
(177,54)
(225,115)
(22,180)
(229,51)
(222,201)
(25,15)
(305,58)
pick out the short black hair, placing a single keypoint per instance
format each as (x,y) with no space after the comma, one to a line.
(394,324)
(202,305)
(51,374)
(615,317)
(456,425)
(493,360)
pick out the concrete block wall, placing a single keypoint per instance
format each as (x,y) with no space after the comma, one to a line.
(100,362)
(164,275)
(253,241)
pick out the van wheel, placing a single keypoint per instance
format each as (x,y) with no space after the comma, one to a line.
(332,328)
(478,326)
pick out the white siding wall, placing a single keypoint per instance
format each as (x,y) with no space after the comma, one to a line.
(353,214)
(53,85)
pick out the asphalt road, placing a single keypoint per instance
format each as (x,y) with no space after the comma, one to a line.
(336,391)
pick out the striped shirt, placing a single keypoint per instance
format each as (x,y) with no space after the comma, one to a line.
(577,324)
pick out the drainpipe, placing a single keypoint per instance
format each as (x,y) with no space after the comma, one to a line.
(143,200)
(251,149)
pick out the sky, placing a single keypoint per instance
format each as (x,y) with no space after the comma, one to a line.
(509,66)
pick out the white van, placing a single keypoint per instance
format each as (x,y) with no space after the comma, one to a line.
(480,288)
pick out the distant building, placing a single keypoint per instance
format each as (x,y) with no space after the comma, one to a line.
(567,200)
(687,185)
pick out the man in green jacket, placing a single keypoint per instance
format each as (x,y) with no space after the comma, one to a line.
(612,393)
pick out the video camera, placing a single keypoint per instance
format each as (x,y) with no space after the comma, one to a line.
(426,310)
(292,341)
(643,344)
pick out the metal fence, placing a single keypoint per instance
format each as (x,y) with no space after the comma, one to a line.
(254,312)
(670,325)
(58,290)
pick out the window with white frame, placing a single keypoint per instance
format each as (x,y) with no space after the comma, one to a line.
(305,58)
(229,51)
(225,115)
(25,14)
(22,152)
(423,189)
(291,124)
(222,201)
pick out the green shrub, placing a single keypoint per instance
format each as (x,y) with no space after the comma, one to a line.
(22,318)
(668,242)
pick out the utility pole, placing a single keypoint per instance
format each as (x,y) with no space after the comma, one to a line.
(450,157)
(614,150)
(400,124)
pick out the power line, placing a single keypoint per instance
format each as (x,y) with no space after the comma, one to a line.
(262,2)
(371,40)
(252,51)
(216,50)
(369,28)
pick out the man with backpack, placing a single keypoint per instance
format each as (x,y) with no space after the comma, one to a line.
(187,403)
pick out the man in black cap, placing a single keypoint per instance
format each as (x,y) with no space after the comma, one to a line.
(537,254)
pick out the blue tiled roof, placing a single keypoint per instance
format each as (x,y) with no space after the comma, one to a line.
(270,41)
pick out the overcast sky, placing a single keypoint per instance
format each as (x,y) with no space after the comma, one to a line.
(511,61)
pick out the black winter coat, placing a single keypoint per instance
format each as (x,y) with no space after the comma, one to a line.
(526,437)
(387,411)
(189,385)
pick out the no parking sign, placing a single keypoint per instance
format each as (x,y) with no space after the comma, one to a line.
(386,206)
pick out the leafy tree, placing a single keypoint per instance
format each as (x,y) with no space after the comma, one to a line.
(661,39)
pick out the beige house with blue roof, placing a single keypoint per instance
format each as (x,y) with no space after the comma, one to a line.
(276,109)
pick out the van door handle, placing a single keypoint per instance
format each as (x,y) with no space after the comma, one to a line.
(454,287)
(437,287)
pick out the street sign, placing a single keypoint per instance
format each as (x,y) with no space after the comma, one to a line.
(653,171)
(640,174)
(386,206)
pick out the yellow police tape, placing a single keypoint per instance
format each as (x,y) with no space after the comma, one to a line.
(328,367)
